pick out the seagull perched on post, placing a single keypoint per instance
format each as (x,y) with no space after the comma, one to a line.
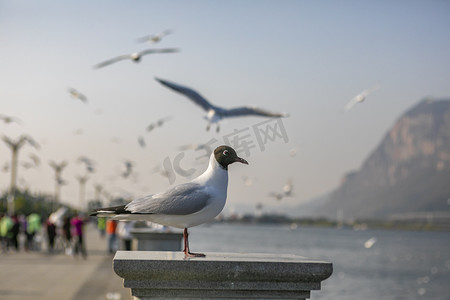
(216,113)
(185,205)
(136,56)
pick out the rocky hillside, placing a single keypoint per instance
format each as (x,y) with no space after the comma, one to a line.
(408,172)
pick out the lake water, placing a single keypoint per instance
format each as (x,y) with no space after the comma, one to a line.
(369,264)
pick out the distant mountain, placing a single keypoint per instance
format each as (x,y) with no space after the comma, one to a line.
(408,172)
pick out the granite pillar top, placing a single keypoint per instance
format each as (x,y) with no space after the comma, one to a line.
(214,256)
(156,267)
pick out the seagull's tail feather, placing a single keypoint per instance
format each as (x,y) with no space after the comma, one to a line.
(109,211)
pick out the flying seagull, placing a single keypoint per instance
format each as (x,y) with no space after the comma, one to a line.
(247,180)
(77,95)
(128,169)
(158,123)
(89,163)
(9,119)
(154,38)
(136,57)
(360,97)
(141,141)
(185,205)
(35,159)
(287,191)
(216,113)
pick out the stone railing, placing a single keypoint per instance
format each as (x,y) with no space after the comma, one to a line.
(151,240)
(169,275)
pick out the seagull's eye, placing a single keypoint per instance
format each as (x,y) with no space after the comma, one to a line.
(225,152)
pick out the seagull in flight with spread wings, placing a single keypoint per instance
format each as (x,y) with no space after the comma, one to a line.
(136,56)
(158,123)
(10,119)
(216,113)
(154,38)
(287,191)
(361,97)
(77,95)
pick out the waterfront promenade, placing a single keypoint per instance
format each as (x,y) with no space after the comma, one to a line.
(40,275)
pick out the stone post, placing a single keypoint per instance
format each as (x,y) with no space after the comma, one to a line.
(169,275)
(151,240)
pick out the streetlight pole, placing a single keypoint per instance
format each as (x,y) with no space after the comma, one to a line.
(15,147)
(98,191)
(58,168)
(82,181)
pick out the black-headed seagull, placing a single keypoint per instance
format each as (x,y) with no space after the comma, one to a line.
(77,95)
(216,113)
(10,119)
(136,56)
(154,38)
(185,205)
(360,97)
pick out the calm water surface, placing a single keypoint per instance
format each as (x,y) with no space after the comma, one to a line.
(399,265)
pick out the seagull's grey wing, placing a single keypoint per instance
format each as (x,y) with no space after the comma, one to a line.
(249,111)
(82,97)
(111,61)
(188,92)
(350,104)
(183,199)
(368,91)
(165,32)
(372,89)
(160,122)
(9,119)
(145,38)
(164,50)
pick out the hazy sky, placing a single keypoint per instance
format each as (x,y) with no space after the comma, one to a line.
(307,58)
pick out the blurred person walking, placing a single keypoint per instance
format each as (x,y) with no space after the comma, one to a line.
(33,228)
(101,226)
(5,227)
(111,228)
(51,235)
(124,233)
(67,235)
(23,231)
(77,234)
(14,232)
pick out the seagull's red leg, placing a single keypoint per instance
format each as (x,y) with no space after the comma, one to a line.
(186,251)
(185,238)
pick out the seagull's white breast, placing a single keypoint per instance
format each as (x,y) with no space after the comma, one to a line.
(212,116)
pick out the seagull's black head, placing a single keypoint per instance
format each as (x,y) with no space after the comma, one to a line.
(226,155)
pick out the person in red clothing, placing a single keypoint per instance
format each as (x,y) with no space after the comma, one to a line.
(51,235)
(111,228)
(77,235)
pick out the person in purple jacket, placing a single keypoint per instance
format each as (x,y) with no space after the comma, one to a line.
(77,235)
